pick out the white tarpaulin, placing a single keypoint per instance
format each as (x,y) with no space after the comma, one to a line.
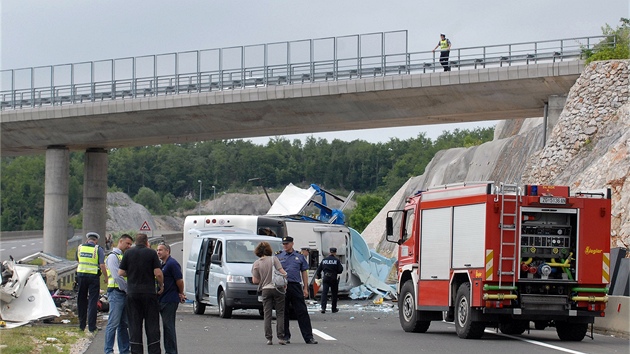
(292,200)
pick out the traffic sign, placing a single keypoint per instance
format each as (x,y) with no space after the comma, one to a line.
(145,227)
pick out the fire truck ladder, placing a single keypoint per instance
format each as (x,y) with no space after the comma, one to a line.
(510,197)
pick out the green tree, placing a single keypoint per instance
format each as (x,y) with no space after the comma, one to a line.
(150,200)
(368,206)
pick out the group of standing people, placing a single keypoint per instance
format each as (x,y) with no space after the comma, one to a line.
(294,266)
(142,286)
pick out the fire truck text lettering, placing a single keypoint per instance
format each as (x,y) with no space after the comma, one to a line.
(589,250)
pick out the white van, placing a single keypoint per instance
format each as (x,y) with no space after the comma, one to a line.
(218,269)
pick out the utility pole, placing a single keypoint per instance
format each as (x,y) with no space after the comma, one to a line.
(199,207)
(214,194)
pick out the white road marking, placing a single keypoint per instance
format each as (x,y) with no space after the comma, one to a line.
(566,350)
(322,335)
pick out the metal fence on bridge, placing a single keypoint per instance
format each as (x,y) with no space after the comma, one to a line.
(282,63)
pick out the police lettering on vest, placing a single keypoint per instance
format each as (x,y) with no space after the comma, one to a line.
(88,259)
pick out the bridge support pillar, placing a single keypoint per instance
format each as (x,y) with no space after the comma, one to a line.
(95,192)
(56,200)
(553,108)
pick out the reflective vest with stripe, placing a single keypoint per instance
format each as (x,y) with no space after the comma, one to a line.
(443,44)
(88,259)
(111,283)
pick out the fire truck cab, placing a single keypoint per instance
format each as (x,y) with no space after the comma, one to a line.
(486,254)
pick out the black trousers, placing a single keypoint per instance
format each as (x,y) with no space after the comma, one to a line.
(295,297)
(444,59)
(333,285)
(87,299)
(144,308)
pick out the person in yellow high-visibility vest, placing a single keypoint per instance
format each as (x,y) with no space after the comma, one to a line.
(117,324)
(91,260)
(445,50)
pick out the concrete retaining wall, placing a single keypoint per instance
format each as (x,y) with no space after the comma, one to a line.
(617,320)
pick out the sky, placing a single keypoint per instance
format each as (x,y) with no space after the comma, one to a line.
(45,32)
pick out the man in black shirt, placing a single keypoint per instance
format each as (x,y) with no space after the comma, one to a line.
(141,266)
(331,267)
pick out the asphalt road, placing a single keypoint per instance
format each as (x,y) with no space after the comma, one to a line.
(20,247)
(360,327)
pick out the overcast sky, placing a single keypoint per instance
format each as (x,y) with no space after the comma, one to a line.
(45,32)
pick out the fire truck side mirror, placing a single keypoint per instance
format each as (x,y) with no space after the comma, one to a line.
(389,227)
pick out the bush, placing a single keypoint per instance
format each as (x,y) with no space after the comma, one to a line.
(605,51)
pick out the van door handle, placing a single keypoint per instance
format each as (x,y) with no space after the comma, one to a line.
(467,265)
(434,277)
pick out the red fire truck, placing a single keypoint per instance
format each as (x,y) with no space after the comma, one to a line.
(492,254)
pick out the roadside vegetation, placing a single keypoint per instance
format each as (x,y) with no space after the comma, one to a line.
(164,178)
(620,36)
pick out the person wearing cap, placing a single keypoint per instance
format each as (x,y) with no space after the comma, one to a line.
(117,324)
(331,267)
(91,260)
(294,263)
(445,50)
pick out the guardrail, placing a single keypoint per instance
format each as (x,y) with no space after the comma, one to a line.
(183,72)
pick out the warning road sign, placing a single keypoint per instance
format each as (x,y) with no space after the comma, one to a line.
(145,227)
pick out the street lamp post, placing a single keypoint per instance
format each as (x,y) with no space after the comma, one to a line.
(199,207)
(214,194)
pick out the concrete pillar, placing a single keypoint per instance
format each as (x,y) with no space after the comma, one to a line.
(95,192)
(56,200)
(554,108)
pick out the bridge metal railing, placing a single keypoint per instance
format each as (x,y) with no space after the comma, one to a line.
(283,63)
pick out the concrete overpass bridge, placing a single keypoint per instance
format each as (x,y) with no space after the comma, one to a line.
(328,84)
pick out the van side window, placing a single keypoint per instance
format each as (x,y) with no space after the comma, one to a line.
(219,250)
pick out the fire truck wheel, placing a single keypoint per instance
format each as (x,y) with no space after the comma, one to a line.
(407,310)
(573,332)
(513,327)
(199,308)
(464,325)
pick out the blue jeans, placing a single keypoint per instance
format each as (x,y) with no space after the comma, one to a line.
(117,323)
(168,311)
(87,298)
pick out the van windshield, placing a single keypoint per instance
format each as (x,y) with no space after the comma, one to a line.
(242,251)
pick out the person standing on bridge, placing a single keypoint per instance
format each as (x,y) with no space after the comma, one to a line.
(91,260)
(445,50)
(331,267)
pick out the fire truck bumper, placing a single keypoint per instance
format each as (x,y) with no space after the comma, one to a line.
(578,316)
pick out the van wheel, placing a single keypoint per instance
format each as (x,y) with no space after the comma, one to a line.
(464,325)
(199,308)
(224,310)
(261,312)
(407,311)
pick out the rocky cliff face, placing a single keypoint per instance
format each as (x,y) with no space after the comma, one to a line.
(587,149)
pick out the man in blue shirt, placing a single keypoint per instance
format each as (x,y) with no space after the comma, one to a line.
(295,265)
(171,297)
